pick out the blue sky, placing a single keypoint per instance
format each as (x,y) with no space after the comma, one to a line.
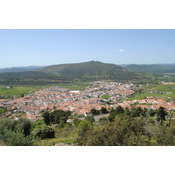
(42,47)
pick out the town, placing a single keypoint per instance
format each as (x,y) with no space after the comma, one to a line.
(32,106)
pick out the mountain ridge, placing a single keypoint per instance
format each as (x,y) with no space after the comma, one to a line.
(84,65)
(20,69)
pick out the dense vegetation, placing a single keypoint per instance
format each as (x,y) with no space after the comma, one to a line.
(123,127)
(20,69)
(81,72)
(91,66)
(16,132)
(153,68)
(128,132)
(56,117)
(31,78)
(128,128)
(94,71)
(158,91)
(2,110)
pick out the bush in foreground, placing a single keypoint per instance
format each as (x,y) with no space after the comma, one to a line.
(16,132)
(44,132)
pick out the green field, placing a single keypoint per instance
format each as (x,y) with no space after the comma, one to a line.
(161,87)
(155,87)
(106,96)
(17,90)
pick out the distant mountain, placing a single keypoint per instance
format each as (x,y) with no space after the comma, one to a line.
(84,72)
(153,68)
(86,67)
(94,71)
(31,78)
(20,69)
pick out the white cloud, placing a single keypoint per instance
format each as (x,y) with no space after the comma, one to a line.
(121,50)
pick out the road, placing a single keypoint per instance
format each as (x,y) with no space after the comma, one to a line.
(96,117)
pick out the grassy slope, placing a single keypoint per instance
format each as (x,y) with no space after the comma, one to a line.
(156,87)
(63,135)
(87,66)
(151,68)
(17,90)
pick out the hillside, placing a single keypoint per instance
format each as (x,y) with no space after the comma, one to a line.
(20,69)
(153,68)
(91,66)
(31,78)
(80,72)
(95,71)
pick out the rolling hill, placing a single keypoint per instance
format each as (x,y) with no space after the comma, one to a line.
(31,78)
(80,72)
(153,68)
(20,69)
(94,71)
(91,66)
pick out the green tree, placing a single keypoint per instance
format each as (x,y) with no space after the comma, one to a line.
(171,115)
(112,110)
(46,117)
(119,110)
(24,125)
(151,112)
(102,119)
(103,110)
(16,132)
(111,117)
(133,112)
(121,116)
(90,119)
(164,136)
(127,112)
(22,94)
(161,114)
(138,111)
(44,132)
(94,111)
(130,131)
(18,138)
(76,121)
(144,112)
(84,126)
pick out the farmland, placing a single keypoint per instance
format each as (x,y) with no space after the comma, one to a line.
(157,90)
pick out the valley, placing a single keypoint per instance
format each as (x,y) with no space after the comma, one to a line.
(61,98)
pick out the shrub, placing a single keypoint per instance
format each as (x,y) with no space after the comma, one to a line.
(61,125)
(44,132)
(103,110)
(16,132)
(68,124)
(84,126)
(22,124)
(18,139)
(81,116)
(90,119)
(131,131)
(102,119)
(76,121)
